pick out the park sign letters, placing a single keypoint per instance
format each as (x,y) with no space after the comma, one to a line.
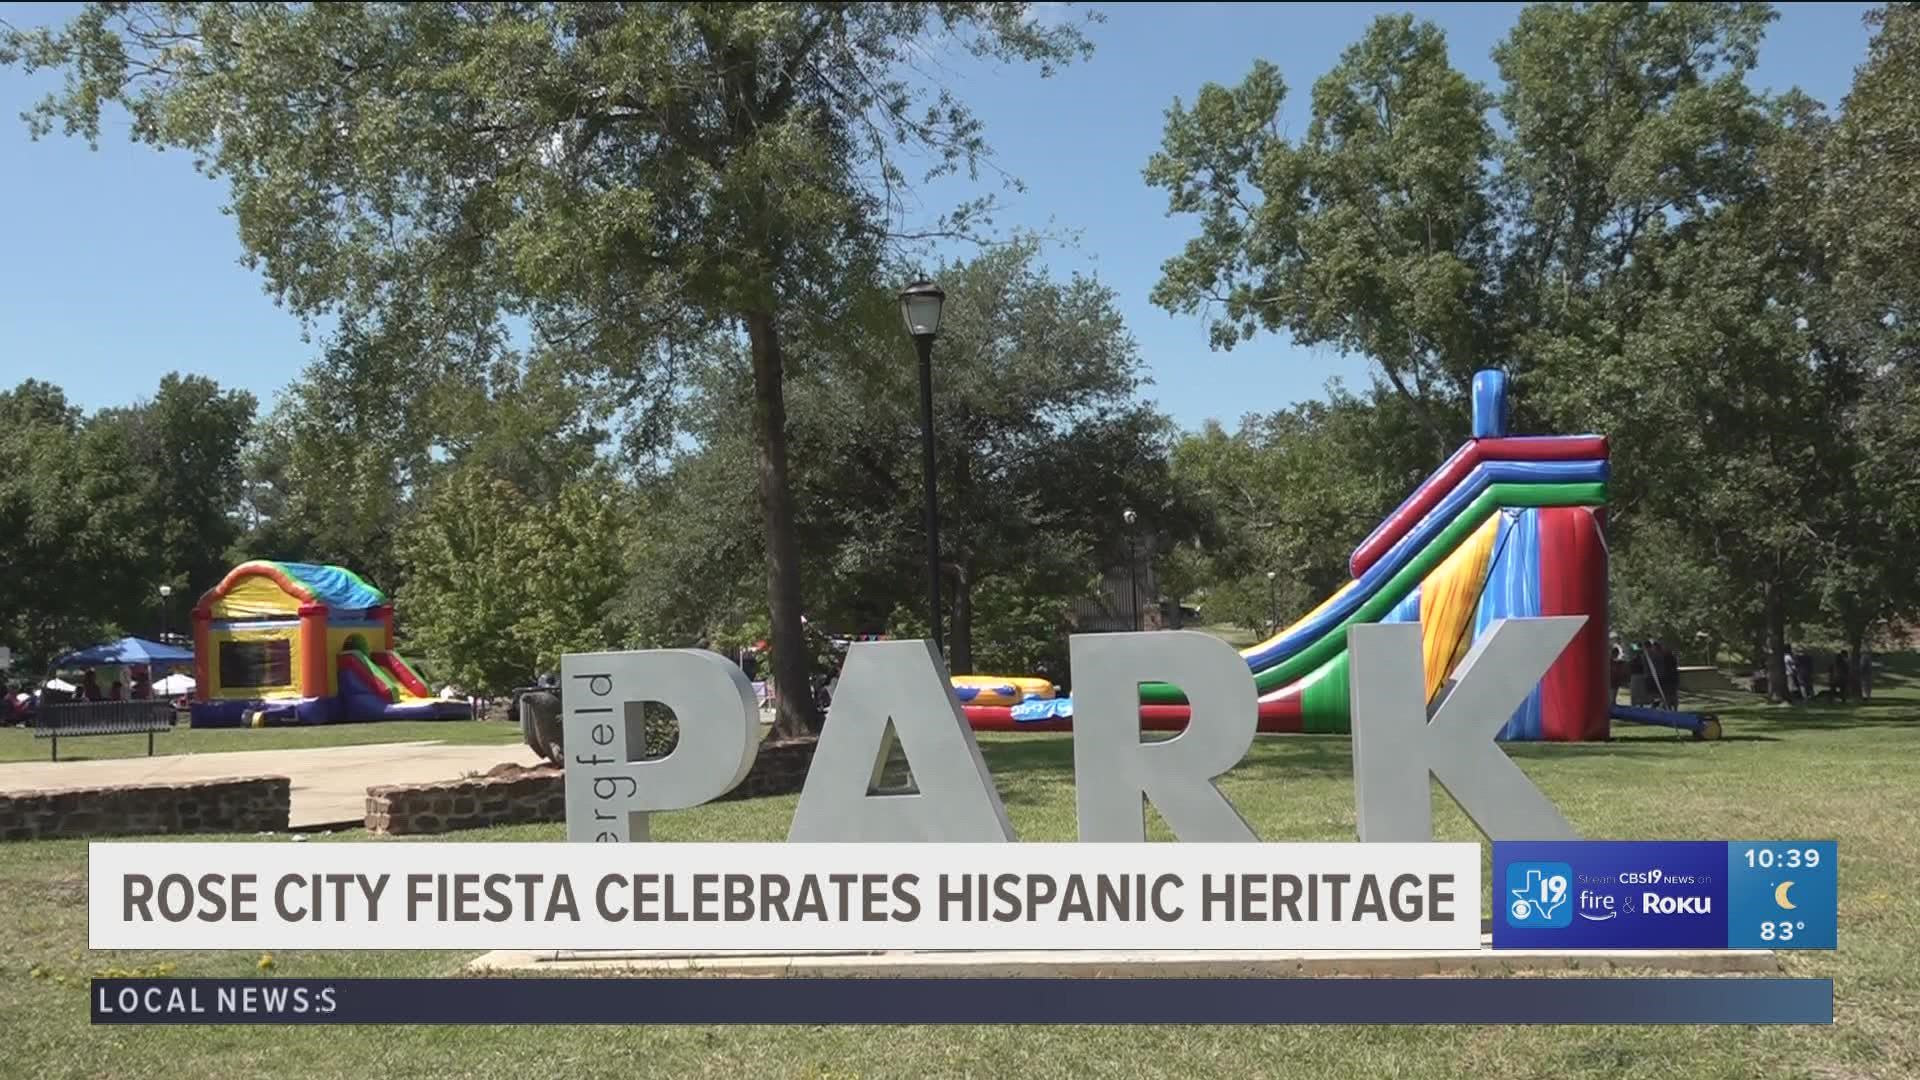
(899,690)
(866,878)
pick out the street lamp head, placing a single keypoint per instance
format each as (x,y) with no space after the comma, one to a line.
(920,305)
(1129,516)
(166,591)
(1271,574)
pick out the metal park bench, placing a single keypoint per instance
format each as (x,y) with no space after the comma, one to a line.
(103,718)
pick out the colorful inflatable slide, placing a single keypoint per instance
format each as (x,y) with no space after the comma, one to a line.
(1509,526)
(298,643)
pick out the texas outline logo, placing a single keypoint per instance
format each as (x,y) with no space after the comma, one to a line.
(1542,893)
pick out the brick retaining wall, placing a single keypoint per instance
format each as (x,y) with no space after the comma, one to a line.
(508,795)
(512,795)
(780,769)
(242,805)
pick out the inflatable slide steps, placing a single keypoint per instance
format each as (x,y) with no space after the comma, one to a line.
(369,676)
(373,692)
(402,673)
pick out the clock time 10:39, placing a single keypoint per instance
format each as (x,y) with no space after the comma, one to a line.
(1790,858)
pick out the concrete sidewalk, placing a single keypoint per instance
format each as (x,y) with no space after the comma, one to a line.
(329,783)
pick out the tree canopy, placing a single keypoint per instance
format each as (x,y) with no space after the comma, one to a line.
(612,353)
(625,178)
(98,512)
(1641,239)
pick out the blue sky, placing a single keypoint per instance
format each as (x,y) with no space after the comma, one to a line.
(117,266)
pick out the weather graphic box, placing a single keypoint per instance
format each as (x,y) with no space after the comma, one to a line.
(1617,894)
(1783,895)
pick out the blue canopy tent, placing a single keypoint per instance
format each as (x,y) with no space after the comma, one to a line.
(128,650)
(138,712)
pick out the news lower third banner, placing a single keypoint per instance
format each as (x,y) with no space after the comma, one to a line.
(963,1001)
(785,897)
(1608,894)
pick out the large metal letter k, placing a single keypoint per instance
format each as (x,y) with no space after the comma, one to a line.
(1396,744)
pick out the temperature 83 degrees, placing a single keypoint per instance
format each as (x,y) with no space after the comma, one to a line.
(1782,894)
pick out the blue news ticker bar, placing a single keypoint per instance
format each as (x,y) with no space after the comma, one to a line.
(964,1001)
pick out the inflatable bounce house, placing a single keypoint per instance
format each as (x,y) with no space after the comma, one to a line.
(294,643)
(1510,526)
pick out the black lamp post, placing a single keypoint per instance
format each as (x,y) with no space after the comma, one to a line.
(920,306)
(1133,559)
(1273,604)
(166,613)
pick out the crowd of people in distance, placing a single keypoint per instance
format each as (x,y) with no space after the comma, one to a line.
(1802,674)
(88,689)
(1651,671)
(18,704)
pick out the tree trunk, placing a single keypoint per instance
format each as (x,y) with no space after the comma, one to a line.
(960,623)
(791,663)
(1776,615)
(1856,643)
(1420,409)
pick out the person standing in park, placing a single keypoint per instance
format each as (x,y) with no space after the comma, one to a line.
(1669,668)
(1793,672)
(1656,675)
(1838,676)
(1866,675)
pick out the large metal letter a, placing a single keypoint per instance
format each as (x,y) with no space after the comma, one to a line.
(889,689)
(1396,745)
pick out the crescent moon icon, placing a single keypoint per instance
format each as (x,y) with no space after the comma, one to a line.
(1780,895)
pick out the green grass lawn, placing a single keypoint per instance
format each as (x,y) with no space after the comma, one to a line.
(1851,774)
(18,744)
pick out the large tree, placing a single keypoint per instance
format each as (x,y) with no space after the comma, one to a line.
(1872,215)
(621,175)
(186,443)
(1876,202)
(71,500)
(1636,240)
(334,471)
(1041,439)
(356,445)
(101,511)
(1373,233)
(1407,226)
(1290,492)
(499,586)
(1042,442)
(1867,574)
